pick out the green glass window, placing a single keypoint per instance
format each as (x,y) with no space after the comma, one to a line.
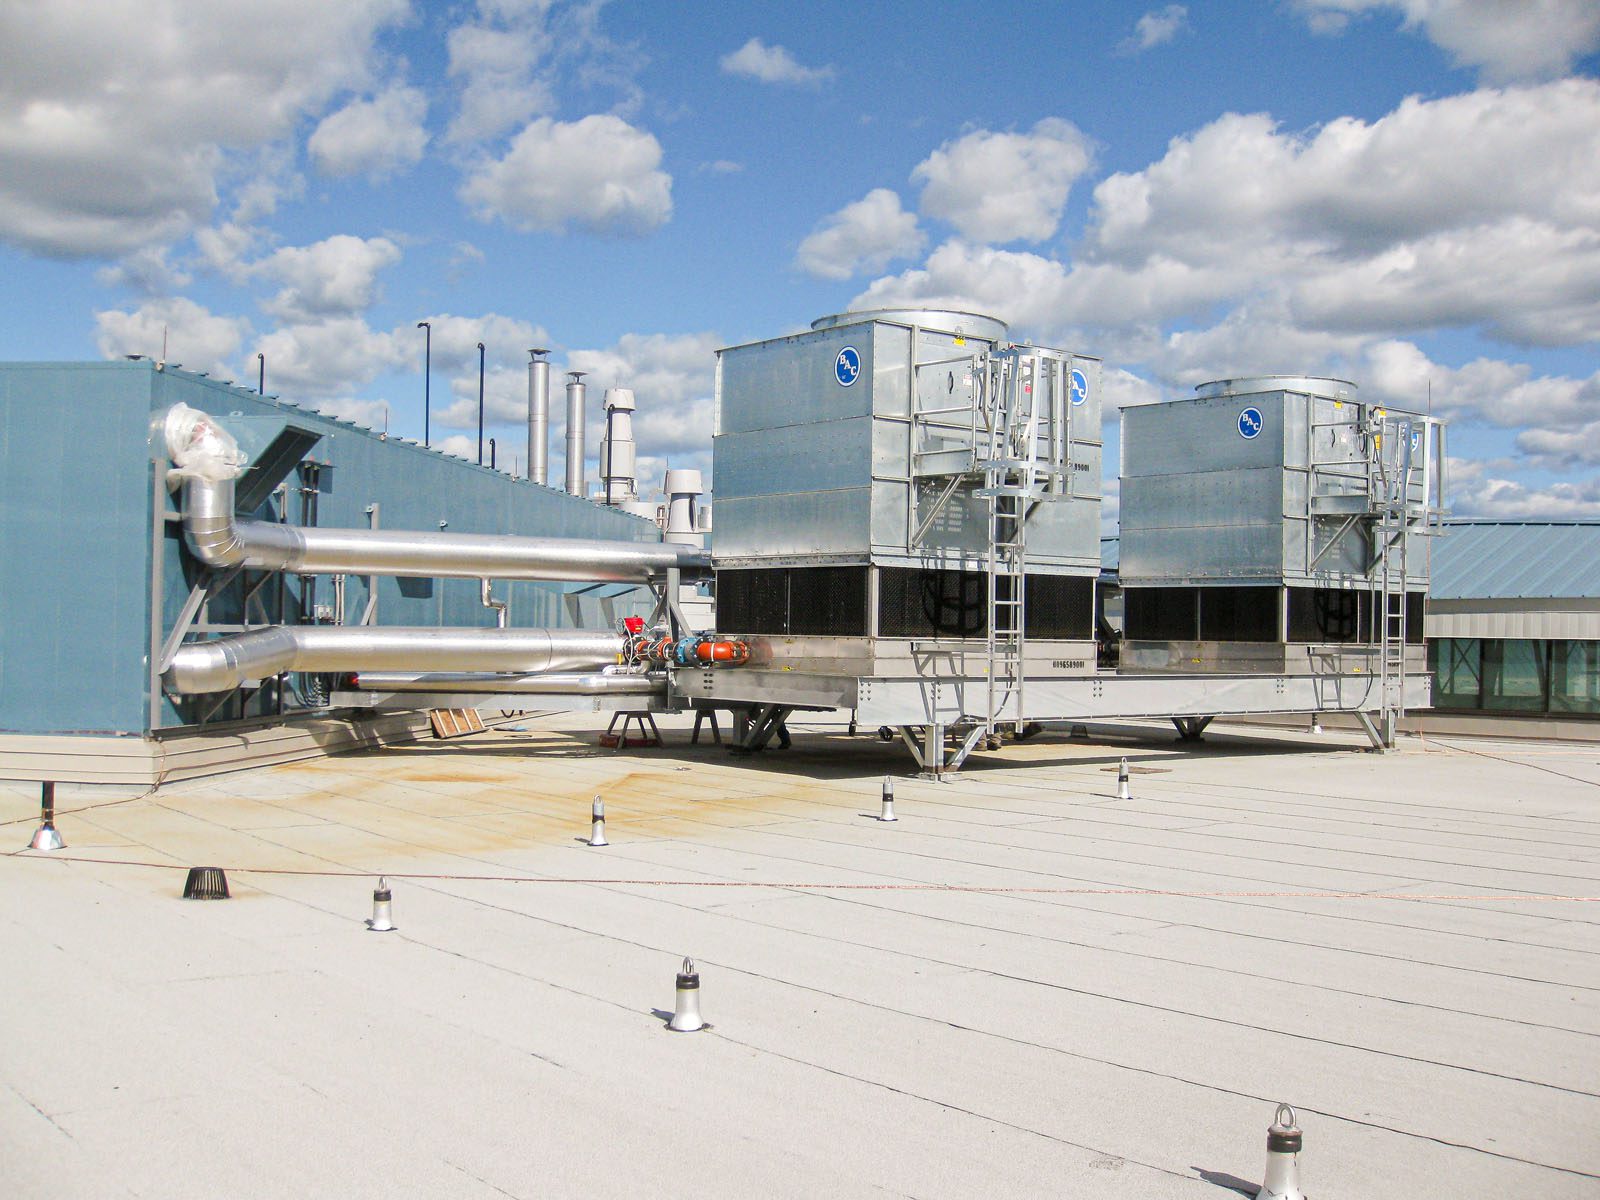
(1516,675)
(1455,663)
(1575,677)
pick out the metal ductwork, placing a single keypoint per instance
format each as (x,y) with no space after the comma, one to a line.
(219,539)
(226,663)
(576,394)
(555,683)
(538,416)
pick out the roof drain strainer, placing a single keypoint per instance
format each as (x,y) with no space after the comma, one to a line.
(205,883)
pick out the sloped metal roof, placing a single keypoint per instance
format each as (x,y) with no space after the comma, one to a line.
(1506,560)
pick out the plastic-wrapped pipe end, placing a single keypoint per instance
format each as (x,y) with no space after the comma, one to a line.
(199,446)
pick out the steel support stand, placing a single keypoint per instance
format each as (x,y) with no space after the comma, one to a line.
(702,715)
(968,744)
(1375,735)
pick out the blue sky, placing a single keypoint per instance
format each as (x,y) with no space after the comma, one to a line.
(1405,193)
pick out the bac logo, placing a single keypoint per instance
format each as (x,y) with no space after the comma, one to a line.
(1249,423)
(1078,386)
(847,367)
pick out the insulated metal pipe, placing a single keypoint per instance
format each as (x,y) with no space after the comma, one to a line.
(552,683)
(576,394)
(538,416)
(219,539)
(227,662)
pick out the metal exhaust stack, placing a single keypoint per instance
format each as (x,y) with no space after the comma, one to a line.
(618,454)
(576,394)
(684,489)
(538,416)
(46,837)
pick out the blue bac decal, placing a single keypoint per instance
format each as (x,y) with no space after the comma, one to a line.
(1249,423)
(1078,386)
(847,367)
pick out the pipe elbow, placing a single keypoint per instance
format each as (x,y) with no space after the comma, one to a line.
(209,529)
(200,668)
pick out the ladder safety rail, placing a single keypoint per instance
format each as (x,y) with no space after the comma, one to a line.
(1381,472)
(1013,438)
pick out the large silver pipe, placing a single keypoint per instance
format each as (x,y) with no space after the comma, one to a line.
(575,418)
(538,417)
(225,663)
(219,539)
(554,683)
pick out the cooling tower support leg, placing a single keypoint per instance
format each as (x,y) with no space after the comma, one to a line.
(1191,729)
(927,746)
(767,723)
(1382,738)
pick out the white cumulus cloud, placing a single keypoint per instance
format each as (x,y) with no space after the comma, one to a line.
(334,277)
(861,236)
(195,337)
(1005,187)
(772,64)
(1019,287)
(1511,499)
(1507,39)
(499,60)
(1157,28)
(375,137)
(600,174)
(87,170)
(315,361)
(1484,391)
(1364,224)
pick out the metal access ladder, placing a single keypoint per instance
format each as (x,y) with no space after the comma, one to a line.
(1025,413)
(1382,475)
(1395,504)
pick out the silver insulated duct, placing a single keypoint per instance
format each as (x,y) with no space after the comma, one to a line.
(576,394)
(550,683)
(219,539)
(538,417)
(226,663)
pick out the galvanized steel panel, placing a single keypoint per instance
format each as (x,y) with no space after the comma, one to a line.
(819,457)
(782,427)
(891,368)
(790,381)
(1186,466)
(1197,436)
(889,514)
(795,524)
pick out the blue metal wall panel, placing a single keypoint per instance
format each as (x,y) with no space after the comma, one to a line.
(78,446)
(74,538)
